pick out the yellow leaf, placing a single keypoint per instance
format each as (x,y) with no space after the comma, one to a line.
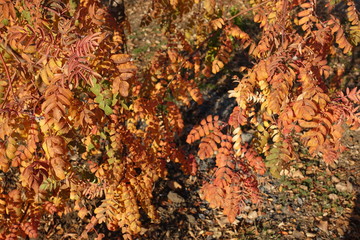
(209,6)
(217,23)
(10,151)
(272,15)
(44,76)
(49,72)
(53,65)
(216,66)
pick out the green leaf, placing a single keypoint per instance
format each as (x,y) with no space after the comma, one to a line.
(275,172)
(90,146)
(99,99)
(124,105)
(110,153)
(111,160)
(5,21)
(271,163)
(102,106)
(114,100)
(102,135)
(26,15)
(108,110)
(72,7)
(107,101)
(96,89)
(272,156)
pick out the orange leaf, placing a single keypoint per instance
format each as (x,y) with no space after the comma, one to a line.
(82,212)
(313,142)
(120,58)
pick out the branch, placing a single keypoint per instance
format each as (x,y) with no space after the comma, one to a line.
(10,82)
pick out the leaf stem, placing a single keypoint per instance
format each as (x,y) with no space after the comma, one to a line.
(10,82)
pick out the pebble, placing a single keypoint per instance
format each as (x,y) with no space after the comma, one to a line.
(246,208)
(252,215)
(335,179)
(310,235)
(247,137)
(298,235)
(191,218)
(175,198)
(344,187)
(333,196)
(298,174)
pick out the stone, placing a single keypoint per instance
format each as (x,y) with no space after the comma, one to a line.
(344,187)
(335,179)
(333,196)
(175,198)
(191,218)
(298,235)
(310,235)
(252,215)
(298,174)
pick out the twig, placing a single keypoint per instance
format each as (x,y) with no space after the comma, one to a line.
(10,82)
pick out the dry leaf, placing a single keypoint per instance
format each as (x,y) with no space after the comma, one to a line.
(124,88)
(323,226)
(82,212)
(120,58)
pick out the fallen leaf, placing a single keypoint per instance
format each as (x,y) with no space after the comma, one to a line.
(344,187)
(323,226)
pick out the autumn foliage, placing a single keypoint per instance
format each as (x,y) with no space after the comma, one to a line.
(77,124)
(290,97)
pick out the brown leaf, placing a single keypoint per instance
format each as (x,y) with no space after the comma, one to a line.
(323,225)
(124,88)
(58,164)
